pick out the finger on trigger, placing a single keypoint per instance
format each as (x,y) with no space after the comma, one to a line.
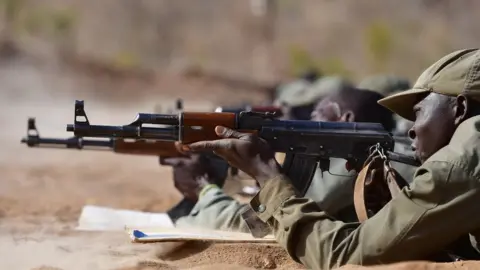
(220,130)
(181,148)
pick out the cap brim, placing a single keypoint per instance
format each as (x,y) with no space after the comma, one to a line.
(402,103)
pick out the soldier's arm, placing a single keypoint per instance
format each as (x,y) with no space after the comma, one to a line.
(437,208)
(216,210)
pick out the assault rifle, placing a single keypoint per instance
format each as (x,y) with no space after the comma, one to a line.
(117,145)
(165,149)
(307,144)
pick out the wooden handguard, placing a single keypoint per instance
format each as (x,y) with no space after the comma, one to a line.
(148,148)
(201,126)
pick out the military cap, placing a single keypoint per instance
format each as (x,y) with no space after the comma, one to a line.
(454,74)
(312,93)
(384,84)
(286,92)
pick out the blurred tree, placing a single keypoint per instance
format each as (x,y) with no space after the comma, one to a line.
(11,10)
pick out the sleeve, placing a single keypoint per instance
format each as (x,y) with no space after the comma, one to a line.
(217,211)
(435,210)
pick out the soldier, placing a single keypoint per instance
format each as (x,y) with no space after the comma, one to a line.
(299,99)
(438,208)
(333,190)
(217,210)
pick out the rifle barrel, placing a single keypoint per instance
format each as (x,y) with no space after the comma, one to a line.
(73,142)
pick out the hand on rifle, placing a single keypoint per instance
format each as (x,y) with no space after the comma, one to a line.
(190,174)
(246,152)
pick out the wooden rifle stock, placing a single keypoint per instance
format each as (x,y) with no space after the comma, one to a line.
(148,148)
(201,126)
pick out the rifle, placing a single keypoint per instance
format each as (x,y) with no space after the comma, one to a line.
(128,146)
(307,144)
(117,145)
(132,147)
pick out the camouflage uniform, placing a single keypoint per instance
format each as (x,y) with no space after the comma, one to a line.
(439,207)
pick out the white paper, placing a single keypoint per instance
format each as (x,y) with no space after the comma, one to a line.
(96,218)
(173,235)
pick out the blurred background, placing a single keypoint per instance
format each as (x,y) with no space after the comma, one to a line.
(251,45)
(128,56)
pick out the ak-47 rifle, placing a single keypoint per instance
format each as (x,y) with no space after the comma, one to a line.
(307,144)
(164,149)
(117,145)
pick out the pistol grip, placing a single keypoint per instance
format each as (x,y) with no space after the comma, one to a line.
(300,169)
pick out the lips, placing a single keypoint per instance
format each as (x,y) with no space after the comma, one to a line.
(416,151)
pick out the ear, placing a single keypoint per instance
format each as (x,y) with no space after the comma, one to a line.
(348,116)
(461,109)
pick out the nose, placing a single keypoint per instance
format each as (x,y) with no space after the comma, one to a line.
(411,133)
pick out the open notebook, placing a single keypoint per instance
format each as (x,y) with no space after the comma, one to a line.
(149,235)
(143,227)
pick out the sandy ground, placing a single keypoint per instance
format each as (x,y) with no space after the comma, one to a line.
(42,191)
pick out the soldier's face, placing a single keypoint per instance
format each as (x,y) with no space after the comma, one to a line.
(434,125)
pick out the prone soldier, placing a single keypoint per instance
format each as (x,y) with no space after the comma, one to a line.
(332,190)
(423,219)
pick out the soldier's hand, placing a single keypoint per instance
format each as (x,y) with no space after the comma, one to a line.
(246,152)
(190,174)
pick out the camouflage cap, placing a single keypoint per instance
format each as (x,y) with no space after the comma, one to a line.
(312,93)
(286,92)
(454,74)
(384,84)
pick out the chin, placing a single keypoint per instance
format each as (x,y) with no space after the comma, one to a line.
(421,157)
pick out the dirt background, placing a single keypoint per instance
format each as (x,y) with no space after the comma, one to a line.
(125,57)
